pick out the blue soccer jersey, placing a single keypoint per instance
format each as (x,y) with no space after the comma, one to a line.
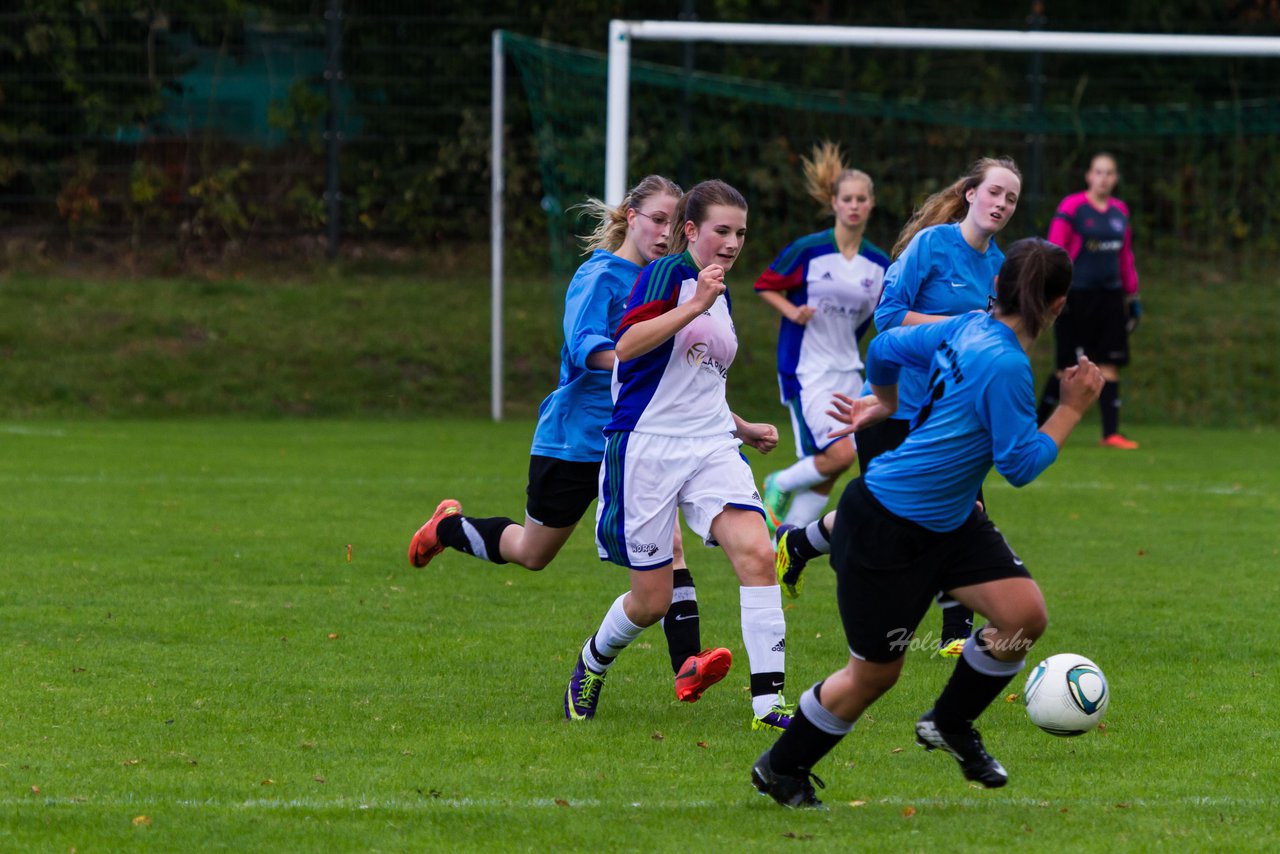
(678,387)
(572,418)
(980,409)
(843,293)
(938,273)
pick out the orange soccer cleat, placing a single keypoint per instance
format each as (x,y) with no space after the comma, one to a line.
(1117,440)
(700,672)
(425,544)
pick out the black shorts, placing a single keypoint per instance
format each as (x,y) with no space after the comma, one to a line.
(878,439)
(888,570)
(560,491)
(1093,322)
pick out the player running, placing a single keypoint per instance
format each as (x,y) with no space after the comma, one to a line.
(674,443)
(946,261)
(826,287)
(1102,305)
(564,462)
(911,526)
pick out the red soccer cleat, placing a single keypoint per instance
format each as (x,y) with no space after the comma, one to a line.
(425,545)
(1116,440)
(700,672)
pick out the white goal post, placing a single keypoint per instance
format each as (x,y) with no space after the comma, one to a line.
(621,34)
(618,93)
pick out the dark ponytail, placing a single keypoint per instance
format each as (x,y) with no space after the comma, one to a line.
(1035,273)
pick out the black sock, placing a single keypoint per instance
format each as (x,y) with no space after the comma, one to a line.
(478,537)
(1048,400)
(802,743)
(1109,404)
(957,620)
(800,545)
(681,623)
(968,692)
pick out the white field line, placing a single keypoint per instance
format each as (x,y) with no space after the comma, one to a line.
(428,803)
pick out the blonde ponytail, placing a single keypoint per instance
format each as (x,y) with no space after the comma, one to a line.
(949,204)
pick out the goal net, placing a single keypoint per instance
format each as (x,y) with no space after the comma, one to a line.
(1196,138)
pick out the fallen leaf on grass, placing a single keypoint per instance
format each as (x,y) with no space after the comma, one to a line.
(333,635)
(1064,809)
(702,744)
(268,782)
(791,834)
(318,778)
(908,812)
(35,790)
(857,803)
(1122,806)
(1142,552)
(657,736)
(561,802)
(896,750)
(128,762)
(1011,698)
(788,607)
(142,821)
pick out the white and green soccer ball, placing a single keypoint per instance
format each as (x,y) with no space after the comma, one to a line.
(1066,694)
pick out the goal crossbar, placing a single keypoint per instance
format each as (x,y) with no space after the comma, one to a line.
(622,32)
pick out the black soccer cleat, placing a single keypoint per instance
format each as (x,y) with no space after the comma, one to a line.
(791,792)
(966,746)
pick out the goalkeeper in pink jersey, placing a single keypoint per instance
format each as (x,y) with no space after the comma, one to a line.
(1102,305)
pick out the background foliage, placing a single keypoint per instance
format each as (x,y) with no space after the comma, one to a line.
(198,123)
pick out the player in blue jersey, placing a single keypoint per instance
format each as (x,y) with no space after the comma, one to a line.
(826,287)
(911,526)
(946,261)
(1102,306)
(564,462)
(674,443)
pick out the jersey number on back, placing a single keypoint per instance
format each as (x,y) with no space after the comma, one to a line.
(937,387)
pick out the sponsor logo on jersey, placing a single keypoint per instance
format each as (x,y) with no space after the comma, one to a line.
(1104,245)
(697,357)
(829,307)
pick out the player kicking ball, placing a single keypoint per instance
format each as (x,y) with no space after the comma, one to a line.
(911,526)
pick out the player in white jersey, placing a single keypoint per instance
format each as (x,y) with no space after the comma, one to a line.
(674,443)
(826,287)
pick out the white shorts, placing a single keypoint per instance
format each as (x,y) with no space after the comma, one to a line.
(809,419)
(645,477)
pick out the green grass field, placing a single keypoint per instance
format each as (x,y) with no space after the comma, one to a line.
(193,664)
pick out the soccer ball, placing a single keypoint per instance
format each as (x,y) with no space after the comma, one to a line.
(1066,695)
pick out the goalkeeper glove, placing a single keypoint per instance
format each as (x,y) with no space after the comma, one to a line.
(1133,313)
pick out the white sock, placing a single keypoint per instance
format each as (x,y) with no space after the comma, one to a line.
(806,507)
(613,636)
(764,634)
(800,475)
(819,542)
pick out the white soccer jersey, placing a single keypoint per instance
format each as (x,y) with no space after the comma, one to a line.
(843,293)
(677,388)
